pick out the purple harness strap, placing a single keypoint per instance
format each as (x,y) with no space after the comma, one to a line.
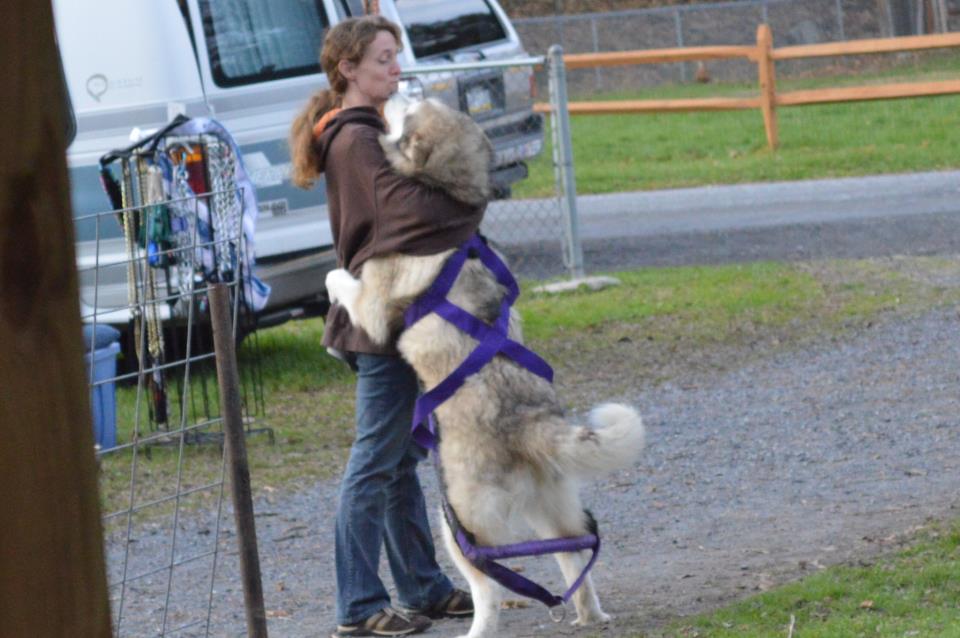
(492,340)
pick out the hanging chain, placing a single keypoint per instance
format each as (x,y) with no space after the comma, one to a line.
(130,242)
(227,207)
(150,198)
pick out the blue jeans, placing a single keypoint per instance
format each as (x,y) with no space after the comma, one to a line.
(381,502)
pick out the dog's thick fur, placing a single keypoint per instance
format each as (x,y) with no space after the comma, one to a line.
(507,452)
(441,147)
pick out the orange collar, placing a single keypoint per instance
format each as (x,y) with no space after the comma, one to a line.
(323,121)
(321,124)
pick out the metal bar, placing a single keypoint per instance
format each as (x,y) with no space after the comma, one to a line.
(235,446)
(177,630)
(678,27)
(474,66)
(839,6)
(596,49)
(164,366)
(563,159)
(160,501)
(160,436)
(216,537)
(131,498)
(657,106)
(657,56)
(166,566)
(629,13)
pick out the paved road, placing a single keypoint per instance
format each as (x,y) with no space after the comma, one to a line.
(750,206)
(851,217)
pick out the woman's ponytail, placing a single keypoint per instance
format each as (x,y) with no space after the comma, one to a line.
(303,155)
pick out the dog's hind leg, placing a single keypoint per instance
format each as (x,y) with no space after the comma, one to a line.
(560,515)
(485,592)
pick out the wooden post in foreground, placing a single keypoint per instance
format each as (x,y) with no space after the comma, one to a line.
(236,451)
(768,85)
(52,576)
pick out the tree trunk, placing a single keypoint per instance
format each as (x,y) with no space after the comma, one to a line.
(52,575)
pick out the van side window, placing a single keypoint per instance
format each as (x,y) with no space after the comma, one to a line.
(439,26)
(353,7)
(257,40)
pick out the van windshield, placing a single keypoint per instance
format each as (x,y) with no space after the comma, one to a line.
(256,40)
(440,26)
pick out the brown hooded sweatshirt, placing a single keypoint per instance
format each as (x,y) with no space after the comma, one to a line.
(374,212)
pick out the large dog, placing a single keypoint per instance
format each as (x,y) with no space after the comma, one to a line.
(508,454)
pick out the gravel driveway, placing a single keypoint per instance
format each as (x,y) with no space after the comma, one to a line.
(753,476)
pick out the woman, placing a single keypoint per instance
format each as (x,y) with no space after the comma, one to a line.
(373,212)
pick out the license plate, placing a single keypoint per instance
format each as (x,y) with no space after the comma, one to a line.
(479,100)
(273,207)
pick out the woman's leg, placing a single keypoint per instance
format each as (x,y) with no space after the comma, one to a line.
(377,494)
(410,549)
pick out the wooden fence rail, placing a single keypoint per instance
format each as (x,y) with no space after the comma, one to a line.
(765,56)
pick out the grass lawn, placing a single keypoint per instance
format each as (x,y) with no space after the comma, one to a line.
(912,593)
(615,153)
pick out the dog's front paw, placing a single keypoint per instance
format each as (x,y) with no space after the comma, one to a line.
(595,618)
(342,288)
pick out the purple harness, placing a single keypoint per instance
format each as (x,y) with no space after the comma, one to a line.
(493,340)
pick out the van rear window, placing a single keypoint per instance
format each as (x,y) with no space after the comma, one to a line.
(256,40)
(440,26)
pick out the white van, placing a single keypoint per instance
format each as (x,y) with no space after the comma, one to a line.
(251,64)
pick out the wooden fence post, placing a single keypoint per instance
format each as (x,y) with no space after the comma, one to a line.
(224,344)
(52,576)
(768,85)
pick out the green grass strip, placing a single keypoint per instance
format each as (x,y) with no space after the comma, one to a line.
(911,594)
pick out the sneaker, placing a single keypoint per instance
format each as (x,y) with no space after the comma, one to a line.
(386,622)
(456,604)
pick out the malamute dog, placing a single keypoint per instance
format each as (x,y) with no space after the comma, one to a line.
(508,454)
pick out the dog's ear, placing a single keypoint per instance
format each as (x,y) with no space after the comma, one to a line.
(418,150)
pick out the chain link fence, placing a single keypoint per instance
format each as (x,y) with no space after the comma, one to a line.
(793,22)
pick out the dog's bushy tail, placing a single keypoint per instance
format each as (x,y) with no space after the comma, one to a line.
(614,442)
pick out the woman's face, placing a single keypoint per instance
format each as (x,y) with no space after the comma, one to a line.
(376,77)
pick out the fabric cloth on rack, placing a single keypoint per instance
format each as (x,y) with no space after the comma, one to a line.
(256,291)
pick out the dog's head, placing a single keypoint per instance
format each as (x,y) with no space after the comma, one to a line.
(415,128)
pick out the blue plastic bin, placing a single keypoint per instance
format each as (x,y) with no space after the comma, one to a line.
(103,398)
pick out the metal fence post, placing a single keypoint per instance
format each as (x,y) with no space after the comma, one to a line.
(236,449)
(596,49)
(678,27)
(563,160)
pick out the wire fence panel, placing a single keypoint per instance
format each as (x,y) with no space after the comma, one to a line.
(147,271)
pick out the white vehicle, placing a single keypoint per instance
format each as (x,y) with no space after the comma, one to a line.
(251,64)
